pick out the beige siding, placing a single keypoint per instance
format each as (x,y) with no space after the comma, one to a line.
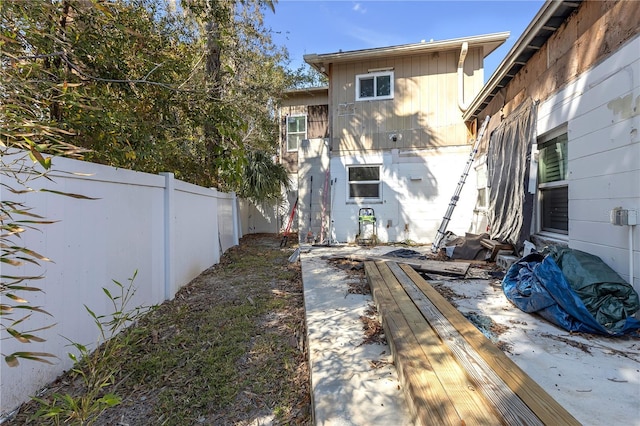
(423,113)
(314,106)
(305,98)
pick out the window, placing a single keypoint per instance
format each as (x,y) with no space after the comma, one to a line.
(377,85)
(364,182)
(553,186)
(296,131)
(481,184)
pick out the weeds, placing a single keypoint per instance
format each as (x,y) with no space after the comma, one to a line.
(228,349)
(95,370)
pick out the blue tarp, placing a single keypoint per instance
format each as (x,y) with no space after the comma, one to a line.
(537,284)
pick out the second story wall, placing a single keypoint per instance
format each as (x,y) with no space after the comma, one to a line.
(310,104)
(423,112)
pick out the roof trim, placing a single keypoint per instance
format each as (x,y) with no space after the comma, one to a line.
(549,18)
(307,90)
(489,42)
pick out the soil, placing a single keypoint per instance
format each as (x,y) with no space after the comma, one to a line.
(263,392)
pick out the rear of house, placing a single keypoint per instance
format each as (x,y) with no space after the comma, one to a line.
(393,140)
(559,162)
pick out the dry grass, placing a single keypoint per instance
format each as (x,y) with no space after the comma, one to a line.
(229,349)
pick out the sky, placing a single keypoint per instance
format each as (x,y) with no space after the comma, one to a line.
(310,26)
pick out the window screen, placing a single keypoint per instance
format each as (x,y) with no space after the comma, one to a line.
(553,186)
(364,182)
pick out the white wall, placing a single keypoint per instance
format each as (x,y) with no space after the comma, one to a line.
(109,238)
(262,218)
(601,109)
(416,192)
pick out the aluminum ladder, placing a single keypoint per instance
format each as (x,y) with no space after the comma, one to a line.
(456,194)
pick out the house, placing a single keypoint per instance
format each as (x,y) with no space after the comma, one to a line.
(562,151)
(559,162)
(386,135)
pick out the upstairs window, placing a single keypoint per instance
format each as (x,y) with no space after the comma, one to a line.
(296,131)
(553,184)
(374,86)
(364,182)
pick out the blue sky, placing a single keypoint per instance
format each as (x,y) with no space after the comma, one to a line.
(310,26)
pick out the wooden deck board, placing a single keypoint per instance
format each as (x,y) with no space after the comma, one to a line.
(470,405)
(451,373)
(537,399)
(496,392)
(426,398)
(435,266)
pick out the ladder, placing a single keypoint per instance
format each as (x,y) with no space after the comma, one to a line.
(456,194)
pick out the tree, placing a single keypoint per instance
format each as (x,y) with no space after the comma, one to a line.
(305,76)
(134,84)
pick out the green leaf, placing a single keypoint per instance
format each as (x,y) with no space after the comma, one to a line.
(110,400)
(11,360)
(106,291)
(68,194)
(16,298)
(33,356)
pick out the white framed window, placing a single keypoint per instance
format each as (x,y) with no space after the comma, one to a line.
(482,202)
(364,182)
(374,86)
(553,183)
(296,131)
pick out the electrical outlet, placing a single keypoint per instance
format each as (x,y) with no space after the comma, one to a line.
(623,217)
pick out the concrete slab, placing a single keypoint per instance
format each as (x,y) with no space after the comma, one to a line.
(597,379)
(346,388)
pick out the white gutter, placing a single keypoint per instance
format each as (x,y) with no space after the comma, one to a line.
(463,54)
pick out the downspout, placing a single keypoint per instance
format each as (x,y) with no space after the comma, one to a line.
(463,54)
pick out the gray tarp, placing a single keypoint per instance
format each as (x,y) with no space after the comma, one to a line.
(510,204)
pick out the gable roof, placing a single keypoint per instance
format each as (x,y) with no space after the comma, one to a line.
(489,43)
(549,18)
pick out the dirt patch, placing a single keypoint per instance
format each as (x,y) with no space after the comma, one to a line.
(354,269)
(229,349)
(373,331)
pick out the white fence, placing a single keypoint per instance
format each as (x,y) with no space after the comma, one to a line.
(167,230)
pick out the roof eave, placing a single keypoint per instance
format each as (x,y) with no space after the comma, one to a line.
(489,42)
(531,40)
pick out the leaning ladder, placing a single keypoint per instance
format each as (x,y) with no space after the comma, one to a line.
(456,194)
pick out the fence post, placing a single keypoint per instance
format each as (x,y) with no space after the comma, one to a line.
(235,217)
(169,230)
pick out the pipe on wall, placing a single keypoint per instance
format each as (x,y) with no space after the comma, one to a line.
(631,277)
(463,54)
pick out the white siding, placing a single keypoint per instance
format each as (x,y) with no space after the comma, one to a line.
(601,109)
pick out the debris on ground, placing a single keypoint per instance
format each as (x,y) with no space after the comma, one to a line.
(373,331)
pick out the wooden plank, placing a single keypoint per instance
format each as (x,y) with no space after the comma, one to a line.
(497,393)
(425,395)
(469,404)
(436,266)
(536,398)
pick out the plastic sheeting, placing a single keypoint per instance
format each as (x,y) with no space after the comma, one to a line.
(508,161)
(586,296)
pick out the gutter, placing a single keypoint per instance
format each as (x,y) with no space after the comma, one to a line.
(463,54)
